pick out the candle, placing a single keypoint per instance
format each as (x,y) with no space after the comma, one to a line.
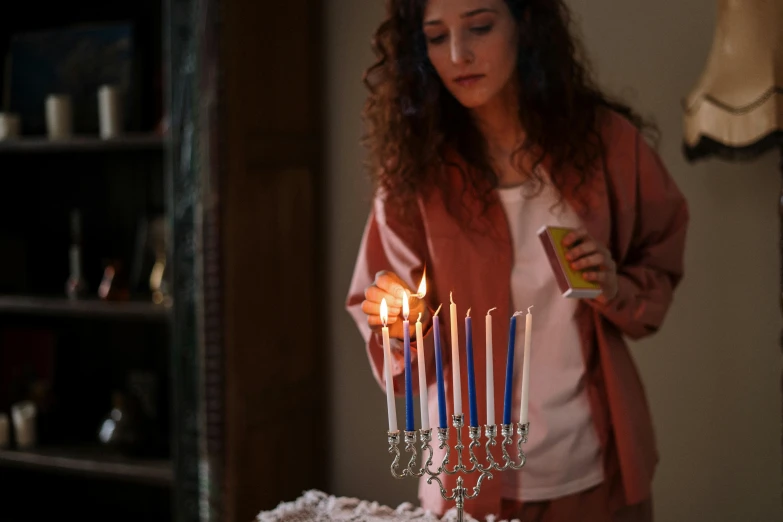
(512,332)
(455,372)
(526,366)
(406,336)
(425,411)
(490,374)
(439,371)
(471,375)
(392,411)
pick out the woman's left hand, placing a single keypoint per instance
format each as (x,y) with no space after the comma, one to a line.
(594,261)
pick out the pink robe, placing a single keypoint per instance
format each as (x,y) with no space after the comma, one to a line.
(635,209)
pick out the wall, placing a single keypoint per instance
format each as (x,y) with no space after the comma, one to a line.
(713,372)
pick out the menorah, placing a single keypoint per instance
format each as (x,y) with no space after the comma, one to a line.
(459,494)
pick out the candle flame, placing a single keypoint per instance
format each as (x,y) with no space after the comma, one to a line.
(384,311)
(451,297)
(419,319)
(529,307)
(405,306)
(438,310)
(468,314)
(422,291)
(490,310)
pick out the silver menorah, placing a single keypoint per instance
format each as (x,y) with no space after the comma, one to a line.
(459,494)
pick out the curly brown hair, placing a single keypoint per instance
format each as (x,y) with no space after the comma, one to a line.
(412,120)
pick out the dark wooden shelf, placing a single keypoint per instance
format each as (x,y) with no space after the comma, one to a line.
(91,461)
(140,310)
(41,144)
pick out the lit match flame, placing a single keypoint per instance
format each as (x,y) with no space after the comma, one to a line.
(422,291)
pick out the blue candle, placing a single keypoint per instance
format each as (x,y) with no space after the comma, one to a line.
(512,333)
(408,372)
(471,375)
(439,371)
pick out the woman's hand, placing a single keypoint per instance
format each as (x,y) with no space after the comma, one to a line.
(389,286)
(594,261)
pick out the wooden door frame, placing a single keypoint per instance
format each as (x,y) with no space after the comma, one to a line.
(222,455)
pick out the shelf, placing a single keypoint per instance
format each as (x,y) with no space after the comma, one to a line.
(41,144)
(91,461)
(140,310)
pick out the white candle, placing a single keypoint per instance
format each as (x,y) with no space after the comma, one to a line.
(425,412)
(59,116)
(109,119)
(390,406)
(490,373)
(526,366)
(455,374)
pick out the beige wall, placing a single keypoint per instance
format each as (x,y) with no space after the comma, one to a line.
(713,372)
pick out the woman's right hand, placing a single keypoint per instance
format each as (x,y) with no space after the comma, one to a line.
(389,286)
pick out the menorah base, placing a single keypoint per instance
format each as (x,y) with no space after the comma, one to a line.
(460,493)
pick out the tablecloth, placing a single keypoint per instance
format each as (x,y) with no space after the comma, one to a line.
(317,506)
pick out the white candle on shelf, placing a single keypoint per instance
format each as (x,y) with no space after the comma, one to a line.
(455,372)
(490,373)
(59,118)
(526,367)
(109,114)
(390,406)
(425,412)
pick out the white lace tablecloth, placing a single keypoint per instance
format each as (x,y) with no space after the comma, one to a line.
(317,506)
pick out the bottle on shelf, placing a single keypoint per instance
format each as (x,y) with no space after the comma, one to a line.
(76,285)
(125,428)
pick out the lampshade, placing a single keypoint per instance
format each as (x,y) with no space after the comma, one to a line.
(735,111)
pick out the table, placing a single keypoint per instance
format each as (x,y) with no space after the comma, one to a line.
(317,506)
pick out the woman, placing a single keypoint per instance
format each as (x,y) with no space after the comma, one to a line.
(483,125)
